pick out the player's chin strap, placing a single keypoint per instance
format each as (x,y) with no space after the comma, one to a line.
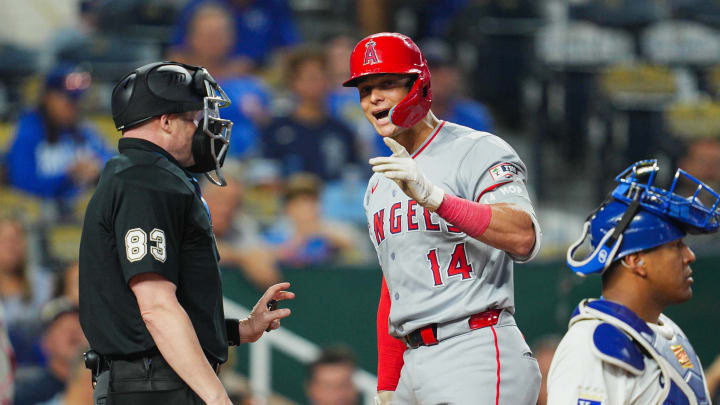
(605,252)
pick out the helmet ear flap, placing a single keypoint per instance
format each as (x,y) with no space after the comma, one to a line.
(411,109)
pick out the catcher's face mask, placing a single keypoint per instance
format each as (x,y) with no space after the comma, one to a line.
(639,215)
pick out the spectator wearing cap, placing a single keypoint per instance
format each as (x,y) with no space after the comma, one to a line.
(55,155)
(309,139)
(62,342)
(303,237)
(261,27)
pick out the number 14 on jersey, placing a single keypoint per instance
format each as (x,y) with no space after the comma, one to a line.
(458,265)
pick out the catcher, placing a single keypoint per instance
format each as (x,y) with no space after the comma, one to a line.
(620,348)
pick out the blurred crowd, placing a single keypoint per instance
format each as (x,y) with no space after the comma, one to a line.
(583,88)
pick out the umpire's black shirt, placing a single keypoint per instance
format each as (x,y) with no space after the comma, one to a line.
(147,217)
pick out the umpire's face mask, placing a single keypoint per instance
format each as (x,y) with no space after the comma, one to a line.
(212,137)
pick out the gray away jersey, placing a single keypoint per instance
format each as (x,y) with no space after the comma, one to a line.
(434,272)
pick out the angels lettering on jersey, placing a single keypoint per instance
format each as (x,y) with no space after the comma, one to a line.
(406,216)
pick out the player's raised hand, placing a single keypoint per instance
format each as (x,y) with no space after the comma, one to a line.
(403,170)
(397,149)
(261,317)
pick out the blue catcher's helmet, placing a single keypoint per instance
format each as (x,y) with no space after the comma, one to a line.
(639,215)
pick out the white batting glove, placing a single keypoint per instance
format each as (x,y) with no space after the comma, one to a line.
(384,397)
(403,170)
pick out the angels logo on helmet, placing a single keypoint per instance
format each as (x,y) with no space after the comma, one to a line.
(370,54)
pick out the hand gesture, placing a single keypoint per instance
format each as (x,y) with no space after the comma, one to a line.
(261,318)
(403,170)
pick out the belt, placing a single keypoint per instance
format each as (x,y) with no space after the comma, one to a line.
(427,335)
(105,360)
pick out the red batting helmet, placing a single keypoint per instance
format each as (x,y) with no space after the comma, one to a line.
(389,52)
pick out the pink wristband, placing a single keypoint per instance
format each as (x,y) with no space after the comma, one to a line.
(468,216)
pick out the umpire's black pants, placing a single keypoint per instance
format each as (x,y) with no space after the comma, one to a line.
(144,381)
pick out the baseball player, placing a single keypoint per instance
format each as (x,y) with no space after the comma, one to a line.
(448,213)
(620,349)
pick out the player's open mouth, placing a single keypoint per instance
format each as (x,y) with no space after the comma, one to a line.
(381,114)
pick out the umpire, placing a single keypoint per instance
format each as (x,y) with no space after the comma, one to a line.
(150,289)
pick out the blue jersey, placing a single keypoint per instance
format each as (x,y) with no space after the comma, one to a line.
(42,168)
(249,98)
(260,28)
(471,114)
(325,148)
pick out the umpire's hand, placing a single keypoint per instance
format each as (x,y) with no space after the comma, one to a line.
(262,318)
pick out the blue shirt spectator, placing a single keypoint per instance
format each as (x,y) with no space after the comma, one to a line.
(62,341)
(323,148)
(44,168)
(249,110)
(38,388)
(309,139)
(314,249)
(210,42)
(469,113)
(344,106)
(53,154)
(449,102)
(436,18)
(261,26)
(302,236)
